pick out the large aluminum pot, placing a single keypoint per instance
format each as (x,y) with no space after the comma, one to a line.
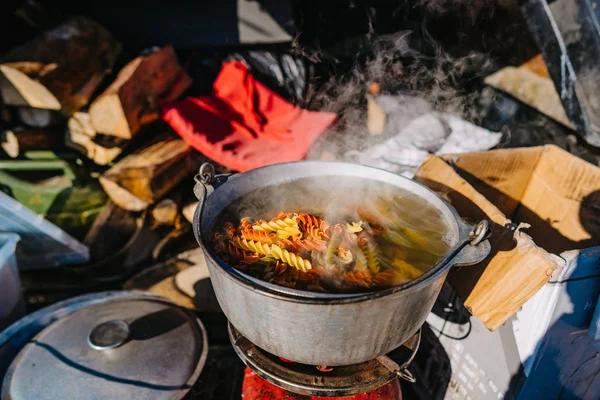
(317,328)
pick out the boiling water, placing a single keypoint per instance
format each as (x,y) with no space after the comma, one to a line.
(376,235)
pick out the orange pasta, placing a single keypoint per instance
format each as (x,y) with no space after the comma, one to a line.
(236,255)
(314,226)
(229,230)
(304,244)
(257,236)
(307,252)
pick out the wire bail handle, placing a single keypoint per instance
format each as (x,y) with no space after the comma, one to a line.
(206,174)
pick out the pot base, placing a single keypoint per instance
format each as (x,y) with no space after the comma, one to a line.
(322,381)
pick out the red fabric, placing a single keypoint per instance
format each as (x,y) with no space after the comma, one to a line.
(245,125)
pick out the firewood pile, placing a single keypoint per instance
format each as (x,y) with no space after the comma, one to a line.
(72,88)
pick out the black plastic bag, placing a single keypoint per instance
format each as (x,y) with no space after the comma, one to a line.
(283,73)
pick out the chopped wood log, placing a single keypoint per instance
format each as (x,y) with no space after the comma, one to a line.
(16,141)
(142,178)
(39,118)
(165,212)
(113,227)
(60,69)
(189,210)
(132,99)
(80,122)
(82,137)
(101,149)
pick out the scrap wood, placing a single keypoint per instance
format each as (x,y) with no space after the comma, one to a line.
(183,279)
(189,210)
(60,69)
(18,140)
(545,187)
(82,137)
(531,84)
(143,177)
(165,212)
(133,98)
(119,240)
(496,288)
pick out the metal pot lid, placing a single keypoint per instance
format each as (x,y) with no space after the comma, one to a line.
(139,347)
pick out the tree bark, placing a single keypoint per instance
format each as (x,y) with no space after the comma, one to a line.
(60,69)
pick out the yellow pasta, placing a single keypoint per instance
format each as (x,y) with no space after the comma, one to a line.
(249,245)
(275,252)
(408,271)
(276,225)
(355,227)
(290,258)
(370,248)
(289,232)
(372,260)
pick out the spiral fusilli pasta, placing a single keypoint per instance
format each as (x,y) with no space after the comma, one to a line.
(303,251)
(275,225)
(368,250)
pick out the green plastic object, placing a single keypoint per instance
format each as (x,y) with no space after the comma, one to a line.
(65,200)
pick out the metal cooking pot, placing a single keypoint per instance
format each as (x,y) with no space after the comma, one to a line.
(317,328)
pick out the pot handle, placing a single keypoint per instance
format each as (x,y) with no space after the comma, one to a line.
(475,247)
(206,182)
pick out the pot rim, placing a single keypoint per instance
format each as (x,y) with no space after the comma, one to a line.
(303,296)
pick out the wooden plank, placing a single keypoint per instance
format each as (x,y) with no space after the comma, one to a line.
(142,178)
(61,68)
(562,202)
(501,176)
(531,84)
(516,269)
(133,98)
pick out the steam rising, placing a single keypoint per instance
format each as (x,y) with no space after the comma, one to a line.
(415,84)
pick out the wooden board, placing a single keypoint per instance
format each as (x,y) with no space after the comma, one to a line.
(142,178)
(60,69)
(562,202)
(501,176)
(133,98)
(183,279)
(516,269)
(531,84)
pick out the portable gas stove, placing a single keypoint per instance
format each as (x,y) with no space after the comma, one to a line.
(269,376)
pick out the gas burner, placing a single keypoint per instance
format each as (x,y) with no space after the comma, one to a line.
(327,382)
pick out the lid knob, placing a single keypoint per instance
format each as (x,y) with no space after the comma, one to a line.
(109,335)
